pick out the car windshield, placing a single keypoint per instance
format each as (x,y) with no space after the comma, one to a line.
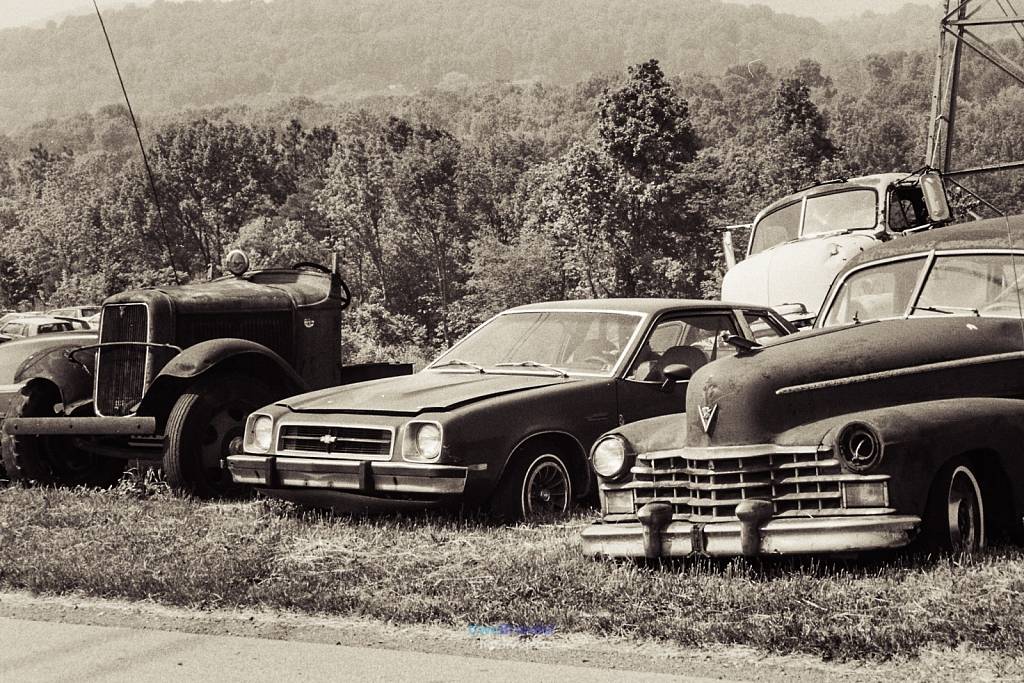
(957,284)
(580,342)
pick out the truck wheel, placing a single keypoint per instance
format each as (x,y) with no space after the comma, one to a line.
(955,516)
(202,423)
(536,485)
(51,460)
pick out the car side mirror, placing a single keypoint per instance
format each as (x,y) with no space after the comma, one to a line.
(675,373)
(935,197)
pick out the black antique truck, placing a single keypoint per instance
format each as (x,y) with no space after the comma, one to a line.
(899,420)
(174,374)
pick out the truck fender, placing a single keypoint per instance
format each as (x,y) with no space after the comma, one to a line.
(919,438)
(72,381)
(228,355)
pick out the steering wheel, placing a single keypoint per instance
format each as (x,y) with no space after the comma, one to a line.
(313,266)
(346,293)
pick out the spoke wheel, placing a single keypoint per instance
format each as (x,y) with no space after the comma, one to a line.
(201,426)
(536,485)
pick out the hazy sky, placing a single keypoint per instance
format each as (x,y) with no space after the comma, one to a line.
(27,12)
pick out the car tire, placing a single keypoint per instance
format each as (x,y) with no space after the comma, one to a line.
(955,515)
(537,485)
(49,460)
(200,427)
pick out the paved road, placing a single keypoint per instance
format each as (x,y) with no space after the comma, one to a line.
(47,651)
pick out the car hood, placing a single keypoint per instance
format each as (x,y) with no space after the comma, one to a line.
(424,391)
(820,374)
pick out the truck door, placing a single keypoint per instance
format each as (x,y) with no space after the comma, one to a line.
(693,339)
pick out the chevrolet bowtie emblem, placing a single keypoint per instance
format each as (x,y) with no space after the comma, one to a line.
(330,438)
(707,417)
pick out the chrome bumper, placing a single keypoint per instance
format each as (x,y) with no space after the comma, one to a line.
(363,476)
(781,536)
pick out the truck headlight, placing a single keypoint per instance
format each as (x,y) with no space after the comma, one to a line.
(609,456)
(423,440)
(260,434)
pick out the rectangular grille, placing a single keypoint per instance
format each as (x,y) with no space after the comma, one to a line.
(121,370)
(705,485)
(364,443)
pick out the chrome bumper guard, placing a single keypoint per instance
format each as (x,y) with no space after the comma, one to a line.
(364,476)
(656,535)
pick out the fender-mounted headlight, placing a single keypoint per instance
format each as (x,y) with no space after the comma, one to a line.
(423,441)
(859,447)
(259,433)
(610,457)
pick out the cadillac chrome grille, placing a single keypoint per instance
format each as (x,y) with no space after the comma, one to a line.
(705,485)
(121,370)
(364,443)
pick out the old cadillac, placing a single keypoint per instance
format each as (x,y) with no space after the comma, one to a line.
(174,374)
(503,419)
(898,421)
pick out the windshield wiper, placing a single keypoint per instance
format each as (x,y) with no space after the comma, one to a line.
(948,310)
(532,364)
(464,363)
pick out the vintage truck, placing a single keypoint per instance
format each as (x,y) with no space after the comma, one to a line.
(798,244)
(898,420)
(175,373)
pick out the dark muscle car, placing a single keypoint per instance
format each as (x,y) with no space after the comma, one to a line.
(504,418)
(900,419)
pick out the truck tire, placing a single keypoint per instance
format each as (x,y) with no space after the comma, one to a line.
(201,425)
(51,460)
(954,519)
(536,485)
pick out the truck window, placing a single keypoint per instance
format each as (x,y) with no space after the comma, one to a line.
(907,209)
(782,225)
(850,210)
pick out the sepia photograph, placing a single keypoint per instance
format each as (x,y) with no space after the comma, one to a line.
(512,340)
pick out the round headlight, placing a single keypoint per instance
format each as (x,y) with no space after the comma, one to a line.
(428,441)
(859,447)
(262,432)
(609,456)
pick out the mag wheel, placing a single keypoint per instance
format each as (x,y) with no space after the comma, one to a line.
(200,428)
(537,485)
(955,519)
(50,460)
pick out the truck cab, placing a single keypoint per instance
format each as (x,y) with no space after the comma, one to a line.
(799,243)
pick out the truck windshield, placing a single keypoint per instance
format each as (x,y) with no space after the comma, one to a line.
(584,342)
(855,209)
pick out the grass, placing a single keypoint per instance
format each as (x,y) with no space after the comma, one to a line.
(130,543)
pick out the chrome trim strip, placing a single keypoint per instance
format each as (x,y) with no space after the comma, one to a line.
(902,372)
(714,452)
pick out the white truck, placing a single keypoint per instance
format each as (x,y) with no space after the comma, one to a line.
(799,243)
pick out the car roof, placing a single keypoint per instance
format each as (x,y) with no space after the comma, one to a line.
(990,233)
(645,306)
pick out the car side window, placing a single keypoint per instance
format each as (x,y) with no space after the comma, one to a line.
(688,340)
(763,327)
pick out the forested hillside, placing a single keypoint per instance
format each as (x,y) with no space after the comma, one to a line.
(176,55)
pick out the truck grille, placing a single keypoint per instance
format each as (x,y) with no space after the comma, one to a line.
(121,370)
(364,443)
(706,484)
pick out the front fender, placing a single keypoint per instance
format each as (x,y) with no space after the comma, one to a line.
(72,380)
(229,355)
(920,437)
(661,433)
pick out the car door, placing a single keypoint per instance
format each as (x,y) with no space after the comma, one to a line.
(689,338)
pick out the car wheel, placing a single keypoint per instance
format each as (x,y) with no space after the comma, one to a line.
(201,426)
(537,485)
(51,459)
(955,518)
